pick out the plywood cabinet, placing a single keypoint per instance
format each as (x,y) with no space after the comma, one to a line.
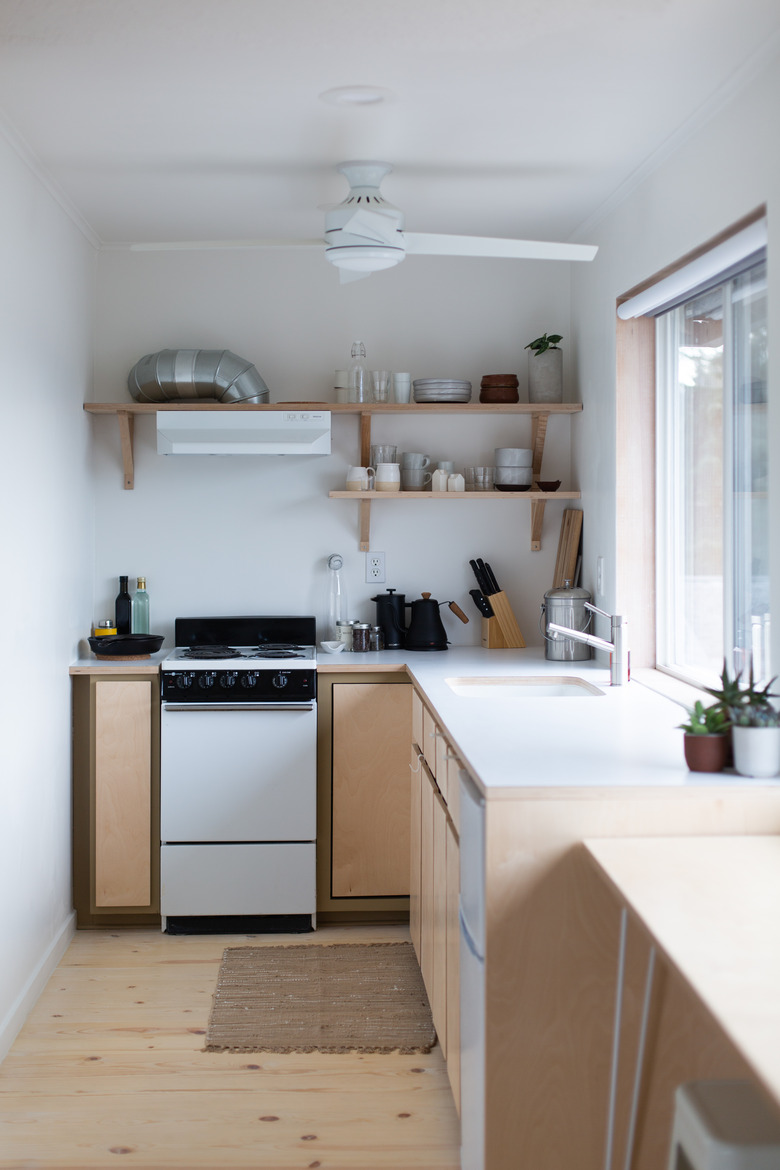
(364,801)
(435,884)
(116,799)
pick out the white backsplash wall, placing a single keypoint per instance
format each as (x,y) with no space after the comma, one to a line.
(251,534)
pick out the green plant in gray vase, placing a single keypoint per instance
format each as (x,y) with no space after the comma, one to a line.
(544,343)
(545,369)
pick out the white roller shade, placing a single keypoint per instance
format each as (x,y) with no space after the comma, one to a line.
(705,271)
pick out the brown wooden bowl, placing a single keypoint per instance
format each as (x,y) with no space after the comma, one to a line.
(548,485)
(499,394)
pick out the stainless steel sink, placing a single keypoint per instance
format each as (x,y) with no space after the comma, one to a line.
(522,687)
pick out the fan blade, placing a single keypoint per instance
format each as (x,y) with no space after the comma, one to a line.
(214,245)
(424,244)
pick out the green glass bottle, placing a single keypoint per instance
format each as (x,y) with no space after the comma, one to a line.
(141,608)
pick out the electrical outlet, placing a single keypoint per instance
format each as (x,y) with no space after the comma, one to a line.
(375,568)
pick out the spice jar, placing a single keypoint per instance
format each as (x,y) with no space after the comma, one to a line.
(344,634)
(361,637)
(377,639)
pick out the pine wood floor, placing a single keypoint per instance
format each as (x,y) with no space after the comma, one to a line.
(109,1071)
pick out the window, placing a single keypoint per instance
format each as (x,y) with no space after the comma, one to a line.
(712,532)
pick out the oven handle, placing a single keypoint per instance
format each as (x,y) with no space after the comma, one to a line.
(307,706)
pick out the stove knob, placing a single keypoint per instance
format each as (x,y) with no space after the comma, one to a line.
(248,680)
(279,681)
(228,680)
(184,681)
(206,681)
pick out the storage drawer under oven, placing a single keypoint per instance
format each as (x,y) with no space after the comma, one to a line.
(237,879)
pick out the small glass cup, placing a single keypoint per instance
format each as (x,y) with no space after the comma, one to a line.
(469,474)
(483,479)
(381,383)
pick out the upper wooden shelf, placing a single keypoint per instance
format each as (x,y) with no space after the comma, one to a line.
(344,407)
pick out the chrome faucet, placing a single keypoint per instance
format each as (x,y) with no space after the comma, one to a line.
(619,654)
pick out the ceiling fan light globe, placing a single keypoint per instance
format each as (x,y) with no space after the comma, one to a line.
(364,259)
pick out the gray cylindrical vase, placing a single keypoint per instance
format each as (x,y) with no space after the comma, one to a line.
(545,376)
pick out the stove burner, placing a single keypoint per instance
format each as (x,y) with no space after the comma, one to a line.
(211,652)
(270,652)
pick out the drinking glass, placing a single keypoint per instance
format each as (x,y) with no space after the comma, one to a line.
(483,479)
(381,381)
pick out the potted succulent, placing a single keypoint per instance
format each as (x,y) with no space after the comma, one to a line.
(545,369)
(755,724)
(706,742)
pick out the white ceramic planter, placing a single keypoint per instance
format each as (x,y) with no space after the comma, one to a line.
(545,376)
(756,751)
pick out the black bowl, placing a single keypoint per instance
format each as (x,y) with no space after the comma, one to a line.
(126,645)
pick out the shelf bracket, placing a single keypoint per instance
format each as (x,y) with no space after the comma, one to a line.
(537,518)
(365,525)
(126,423)
(365,440)
(538,435)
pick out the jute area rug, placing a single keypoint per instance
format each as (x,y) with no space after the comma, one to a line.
(355,997)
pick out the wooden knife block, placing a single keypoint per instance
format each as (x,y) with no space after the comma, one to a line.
(501,632)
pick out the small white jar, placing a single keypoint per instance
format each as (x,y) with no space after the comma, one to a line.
(456,483)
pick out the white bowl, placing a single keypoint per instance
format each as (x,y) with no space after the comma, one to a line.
(332,647)
(514,456)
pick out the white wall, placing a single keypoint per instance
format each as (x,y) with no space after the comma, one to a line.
(716,175)
(251,534)
(46,580)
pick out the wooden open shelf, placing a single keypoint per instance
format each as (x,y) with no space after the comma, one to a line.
(540,413)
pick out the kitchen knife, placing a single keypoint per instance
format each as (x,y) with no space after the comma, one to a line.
(481,602)
(480,576)
(493,583)
(484,579)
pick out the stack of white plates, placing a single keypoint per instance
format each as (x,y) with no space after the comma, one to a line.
(441,390)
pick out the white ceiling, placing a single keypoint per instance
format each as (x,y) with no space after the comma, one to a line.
(200,119)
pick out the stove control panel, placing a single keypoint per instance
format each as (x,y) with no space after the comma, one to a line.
(194,686)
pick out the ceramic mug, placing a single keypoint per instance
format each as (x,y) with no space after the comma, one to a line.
(402,387)
(414,460)
(360,479)
(388,477)
(414,479)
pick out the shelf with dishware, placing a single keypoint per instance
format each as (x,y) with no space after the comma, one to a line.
(540,414)
(126,413)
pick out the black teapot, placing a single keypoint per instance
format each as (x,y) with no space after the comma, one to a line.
(426,629)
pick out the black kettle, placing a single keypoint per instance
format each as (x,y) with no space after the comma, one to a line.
(390,616)
(426,629)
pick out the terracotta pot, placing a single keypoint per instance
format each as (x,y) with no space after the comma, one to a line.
(707,753)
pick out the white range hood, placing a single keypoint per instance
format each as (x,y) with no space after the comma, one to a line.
(243,432)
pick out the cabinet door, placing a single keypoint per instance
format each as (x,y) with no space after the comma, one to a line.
(427,789)
(438,992)
(417,720)
(415,859)
(371,789)
(453,962)
(123,801)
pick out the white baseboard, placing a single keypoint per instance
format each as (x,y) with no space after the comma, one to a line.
(39,977)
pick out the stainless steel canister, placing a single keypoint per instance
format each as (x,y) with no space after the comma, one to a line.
(566,607)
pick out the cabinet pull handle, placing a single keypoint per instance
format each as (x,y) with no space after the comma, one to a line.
(414,771)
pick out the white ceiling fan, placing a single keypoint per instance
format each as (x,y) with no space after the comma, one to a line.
(364,234)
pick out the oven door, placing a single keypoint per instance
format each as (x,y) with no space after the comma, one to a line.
(241,773)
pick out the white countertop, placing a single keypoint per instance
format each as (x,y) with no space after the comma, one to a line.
(628,737)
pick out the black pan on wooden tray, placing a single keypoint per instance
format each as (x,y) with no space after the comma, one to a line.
(125,645)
